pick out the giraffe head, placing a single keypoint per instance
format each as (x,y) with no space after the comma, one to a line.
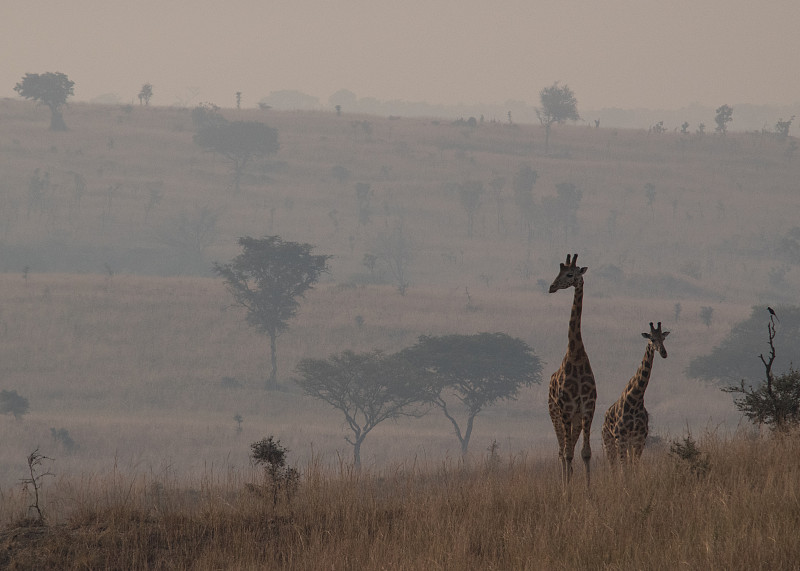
(569,275)
(656,337)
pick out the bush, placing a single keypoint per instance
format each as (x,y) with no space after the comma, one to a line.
(62,436)
(776,401)
(272,455)
(12,403)
(776,404)
(689,453)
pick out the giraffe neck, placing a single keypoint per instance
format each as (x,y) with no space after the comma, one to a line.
(575,339)
(634,392)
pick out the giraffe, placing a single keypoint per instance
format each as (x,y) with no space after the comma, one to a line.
(573,393)
(625,424)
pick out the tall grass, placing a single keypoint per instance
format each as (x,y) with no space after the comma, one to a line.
(495,513)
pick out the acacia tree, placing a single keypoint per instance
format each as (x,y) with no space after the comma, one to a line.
(367,388)
(782,128)
(477,370)
(558,105)
(51,89)
(267,279)
(239,142)
(724,115)
(145,94)
(13,403)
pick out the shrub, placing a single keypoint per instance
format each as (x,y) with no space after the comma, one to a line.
(272,455)
(12,403)
(688,452)
(776,401)
(62,436)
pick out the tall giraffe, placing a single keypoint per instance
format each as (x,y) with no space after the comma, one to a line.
(573,393)
(625,425)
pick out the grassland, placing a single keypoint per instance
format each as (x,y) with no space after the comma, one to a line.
(117,333)
(739,512)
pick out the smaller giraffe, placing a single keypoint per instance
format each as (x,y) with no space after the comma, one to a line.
(625,425)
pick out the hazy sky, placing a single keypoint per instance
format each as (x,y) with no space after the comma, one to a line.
(612,53)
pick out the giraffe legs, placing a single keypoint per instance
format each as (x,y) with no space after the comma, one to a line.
(586,452)
(572,433)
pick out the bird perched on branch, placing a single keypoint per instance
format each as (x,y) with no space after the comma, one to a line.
(772,313)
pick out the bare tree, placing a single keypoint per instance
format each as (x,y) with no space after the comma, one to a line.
(394,250)
(776,402)
(470,193)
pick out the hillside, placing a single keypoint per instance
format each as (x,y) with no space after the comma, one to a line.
(685,217)
(117,332)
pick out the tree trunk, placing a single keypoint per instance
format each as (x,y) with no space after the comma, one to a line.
(357,453)
(464,443)
(272,382)
(467,434)
(57,120)
(237,175)
(546,137)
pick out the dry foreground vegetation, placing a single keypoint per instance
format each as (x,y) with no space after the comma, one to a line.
(113,329)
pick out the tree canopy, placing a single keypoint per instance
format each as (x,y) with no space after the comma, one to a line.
(13,403)
(51,89)
(558,104)
(145,94)
(238,141)
(477,370)
(367,388)
(267,279)
(724,115)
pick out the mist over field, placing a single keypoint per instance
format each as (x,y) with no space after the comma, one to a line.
(116,331)
(418,173)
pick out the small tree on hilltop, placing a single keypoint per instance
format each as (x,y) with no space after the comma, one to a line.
(776,401)
(782,128)
(239,142)
(724,115)
(13,403)
(475,370)
(367,388)
(558,105)
(145,94)
(51,89)
(267,279)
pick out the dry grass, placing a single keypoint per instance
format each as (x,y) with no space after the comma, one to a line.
(498,513)
(132,366)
